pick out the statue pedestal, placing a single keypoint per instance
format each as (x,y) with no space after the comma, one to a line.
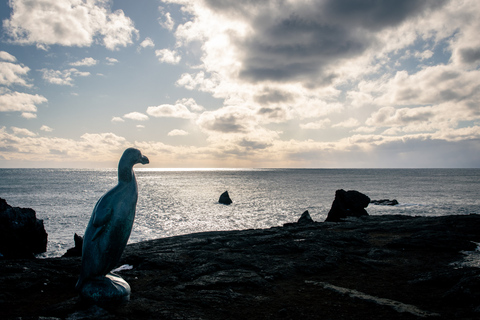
(106,290)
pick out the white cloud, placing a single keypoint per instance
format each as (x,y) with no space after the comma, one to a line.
(22,102)
(166,20)
(117,119)
(11,74)
(85,62)
(170,111)
(138,116)
(349,123)
(46,128)
(148,42)
(168,56)
(7,57)
(23,132)
(111,61)
(68,23)
(140,126)
(29,115)
(320,124)
(62,77)
(177,132)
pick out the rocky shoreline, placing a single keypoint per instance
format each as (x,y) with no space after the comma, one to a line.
(393,267)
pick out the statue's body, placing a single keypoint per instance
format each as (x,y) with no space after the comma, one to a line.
(108,231)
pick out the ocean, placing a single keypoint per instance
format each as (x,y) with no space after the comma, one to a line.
(181,201)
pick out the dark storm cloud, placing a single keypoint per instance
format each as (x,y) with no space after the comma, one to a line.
(249,144)
(273,96)
(302,41)
(470,55)
(377,14)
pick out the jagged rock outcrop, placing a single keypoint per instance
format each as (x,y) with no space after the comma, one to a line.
(348,204)
(22,235)
(77,250)
(385,202)
(225,198)
(305,218)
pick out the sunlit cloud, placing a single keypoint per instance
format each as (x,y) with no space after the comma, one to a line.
(138,116)
(12,73)
(177,132)
(165,19)
(46,128)
(168,56)
(68,23)
(23,132)
(62,77)
(148,42)
(85,62)
(21,102)
(170,111)
(117,119)
(111,61)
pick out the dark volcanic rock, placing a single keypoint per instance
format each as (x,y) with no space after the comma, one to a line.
(77,250)
(305,218)
(385,202)
(379,267)
(21,234)
(348,204)
(225,198)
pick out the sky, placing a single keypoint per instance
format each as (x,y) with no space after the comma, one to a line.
(240,84)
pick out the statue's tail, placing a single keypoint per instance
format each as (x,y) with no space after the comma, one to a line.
(79,284)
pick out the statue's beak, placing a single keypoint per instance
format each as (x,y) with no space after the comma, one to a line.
(144,160)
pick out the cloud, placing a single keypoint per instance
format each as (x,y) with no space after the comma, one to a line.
(138,116)
(7,57)
(177,110)
(46,128)
(21,102)
(29,115)
(168,56)
(85,62)
(165,20)
(68,23)
(301,41)
(177,132)
(13,74)
(111,61)
(62,77)
(117,119)
(148,42)
(22,132)
(228,120)
(320,124)
(349,123)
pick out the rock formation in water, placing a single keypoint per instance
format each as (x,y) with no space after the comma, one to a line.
(348,204)
(385,202)
(225,198)
(22,235)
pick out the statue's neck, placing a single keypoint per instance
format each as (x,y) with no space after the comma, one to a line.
(125,173)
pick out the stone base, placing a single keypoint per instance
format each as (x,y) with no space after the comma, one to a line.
(106,290)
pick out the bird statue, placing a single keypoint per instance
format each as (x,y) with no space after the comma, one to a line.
(108,231)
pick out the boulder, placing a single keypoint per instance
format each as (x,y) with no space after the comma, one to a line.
(77,250)
(22,235)
(385,202)
(305,218)
(348,204)
(225,198)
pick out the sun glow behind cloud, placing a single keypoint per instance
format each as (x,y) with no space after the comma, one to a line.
(244,84)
